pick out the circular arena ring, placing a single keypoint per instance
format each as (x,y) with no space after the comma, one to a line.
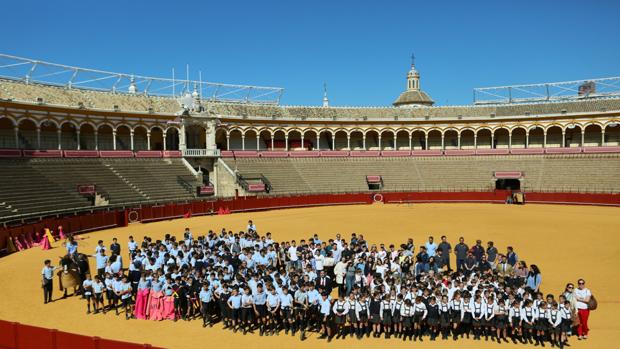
(566,242)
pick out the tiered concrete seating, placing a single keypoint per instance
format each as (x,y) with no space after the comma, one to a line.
(47,184)
(572,173)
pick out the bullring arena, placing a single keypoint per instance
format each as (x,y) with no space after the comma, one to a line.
(540,175)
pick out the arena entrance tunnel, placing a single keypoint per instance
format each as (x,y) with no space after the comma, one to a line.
(508,184)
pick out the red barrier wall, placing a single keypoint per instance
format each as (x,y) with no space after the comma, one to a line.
(14,335)
(85,222)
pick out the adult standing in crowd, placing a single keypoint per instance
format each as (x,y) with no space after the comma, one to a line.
(47,281)
(534,279)
(460,251)
(431,246)
(446,249)
(582,296)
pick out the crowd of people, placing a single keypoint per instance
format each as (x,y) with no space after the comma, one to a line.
(338,288)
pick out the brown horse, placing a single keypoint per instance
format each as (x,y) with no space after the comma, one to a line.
(74,270)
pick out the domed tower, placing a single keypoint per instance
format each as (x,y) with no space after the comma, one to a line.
(413,96)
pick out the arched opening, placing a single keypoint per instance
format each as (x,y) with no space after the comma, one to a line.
(467,139)
(372,140)
(573,136)
(7,134)
(68,136)
(264,142)
(87,137)
(325,140)
(279,140)
(294,141)
(251,142)
(418,140)
(483,139)
(434,139)
(310,139)
(536,137)
(27,134)
(518,138)
(357,140)
(554,137)
(196,138)
(402,140)
(612,135)
(220,139)
(140,139)
(388,142)
(340,139)
(172,138)
(49,135)
(501,138)
(592,136)
(105,139)
(451,139)
(235,141)
(123,138)
(157,139)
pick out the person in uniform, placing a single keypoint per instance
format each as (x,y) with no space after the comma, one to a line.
(444,318)
(206,297)
(500,310)
(419,315)
(362,314)
(434,317)
(325,311)
(247,310)
(341,310)
(259,302)
(386,315)
(87,286)
(286,309)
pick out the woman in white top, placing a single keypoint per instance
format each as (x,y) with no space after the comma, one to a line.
(582,296)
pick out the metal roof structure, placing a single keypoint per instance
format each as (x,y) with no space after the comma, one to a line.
(70,77)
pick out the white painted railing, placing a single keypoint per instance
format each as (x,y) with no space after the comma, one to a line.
(201,152)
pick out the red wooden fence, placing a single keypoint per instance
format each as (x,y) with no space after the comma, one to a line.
(14,335)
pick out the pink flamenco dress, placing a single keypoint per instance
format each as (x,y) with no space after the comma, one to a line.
(142,298)
(155,306)
(45,243)
(169,312)
(61,233)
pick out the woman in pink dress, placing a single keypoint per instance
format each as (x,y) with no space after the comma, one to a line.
(142,297)
(156,299)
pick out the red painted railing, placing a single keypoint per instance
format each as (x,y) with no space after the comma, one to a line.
(14,335)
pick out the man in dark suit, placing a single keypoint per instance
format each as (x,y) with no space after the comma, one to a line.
(324,282)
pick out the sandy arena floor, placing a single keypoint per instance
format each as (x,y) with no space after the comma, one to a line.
(567,242)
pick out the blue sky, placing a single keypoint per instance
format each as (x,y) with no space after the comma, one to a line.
(360,48)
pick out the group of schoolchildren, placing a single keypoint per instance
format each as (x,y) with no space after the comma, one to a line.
(251,283)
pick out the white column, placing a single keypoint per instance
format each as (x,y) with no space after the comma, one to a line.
(379,140)
(318,141)
(563,138)
(148,140)
(458,140)
(227,141)
(257,141)
(510,139)
(77,137)
(39,137)
(349,141)
(602,137)
(492,140)
(527,138)
(302,142)
(131,140)
(333,141)
(475,141)
(583,137)
(242,141)
(286,142)
(163,136)
(16,137)
(426,141)
(182,138)
(545,139)
(443,146)
(272,144)
(96,140)
(114,139)
(59,138)
(364,141)
(410,141)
